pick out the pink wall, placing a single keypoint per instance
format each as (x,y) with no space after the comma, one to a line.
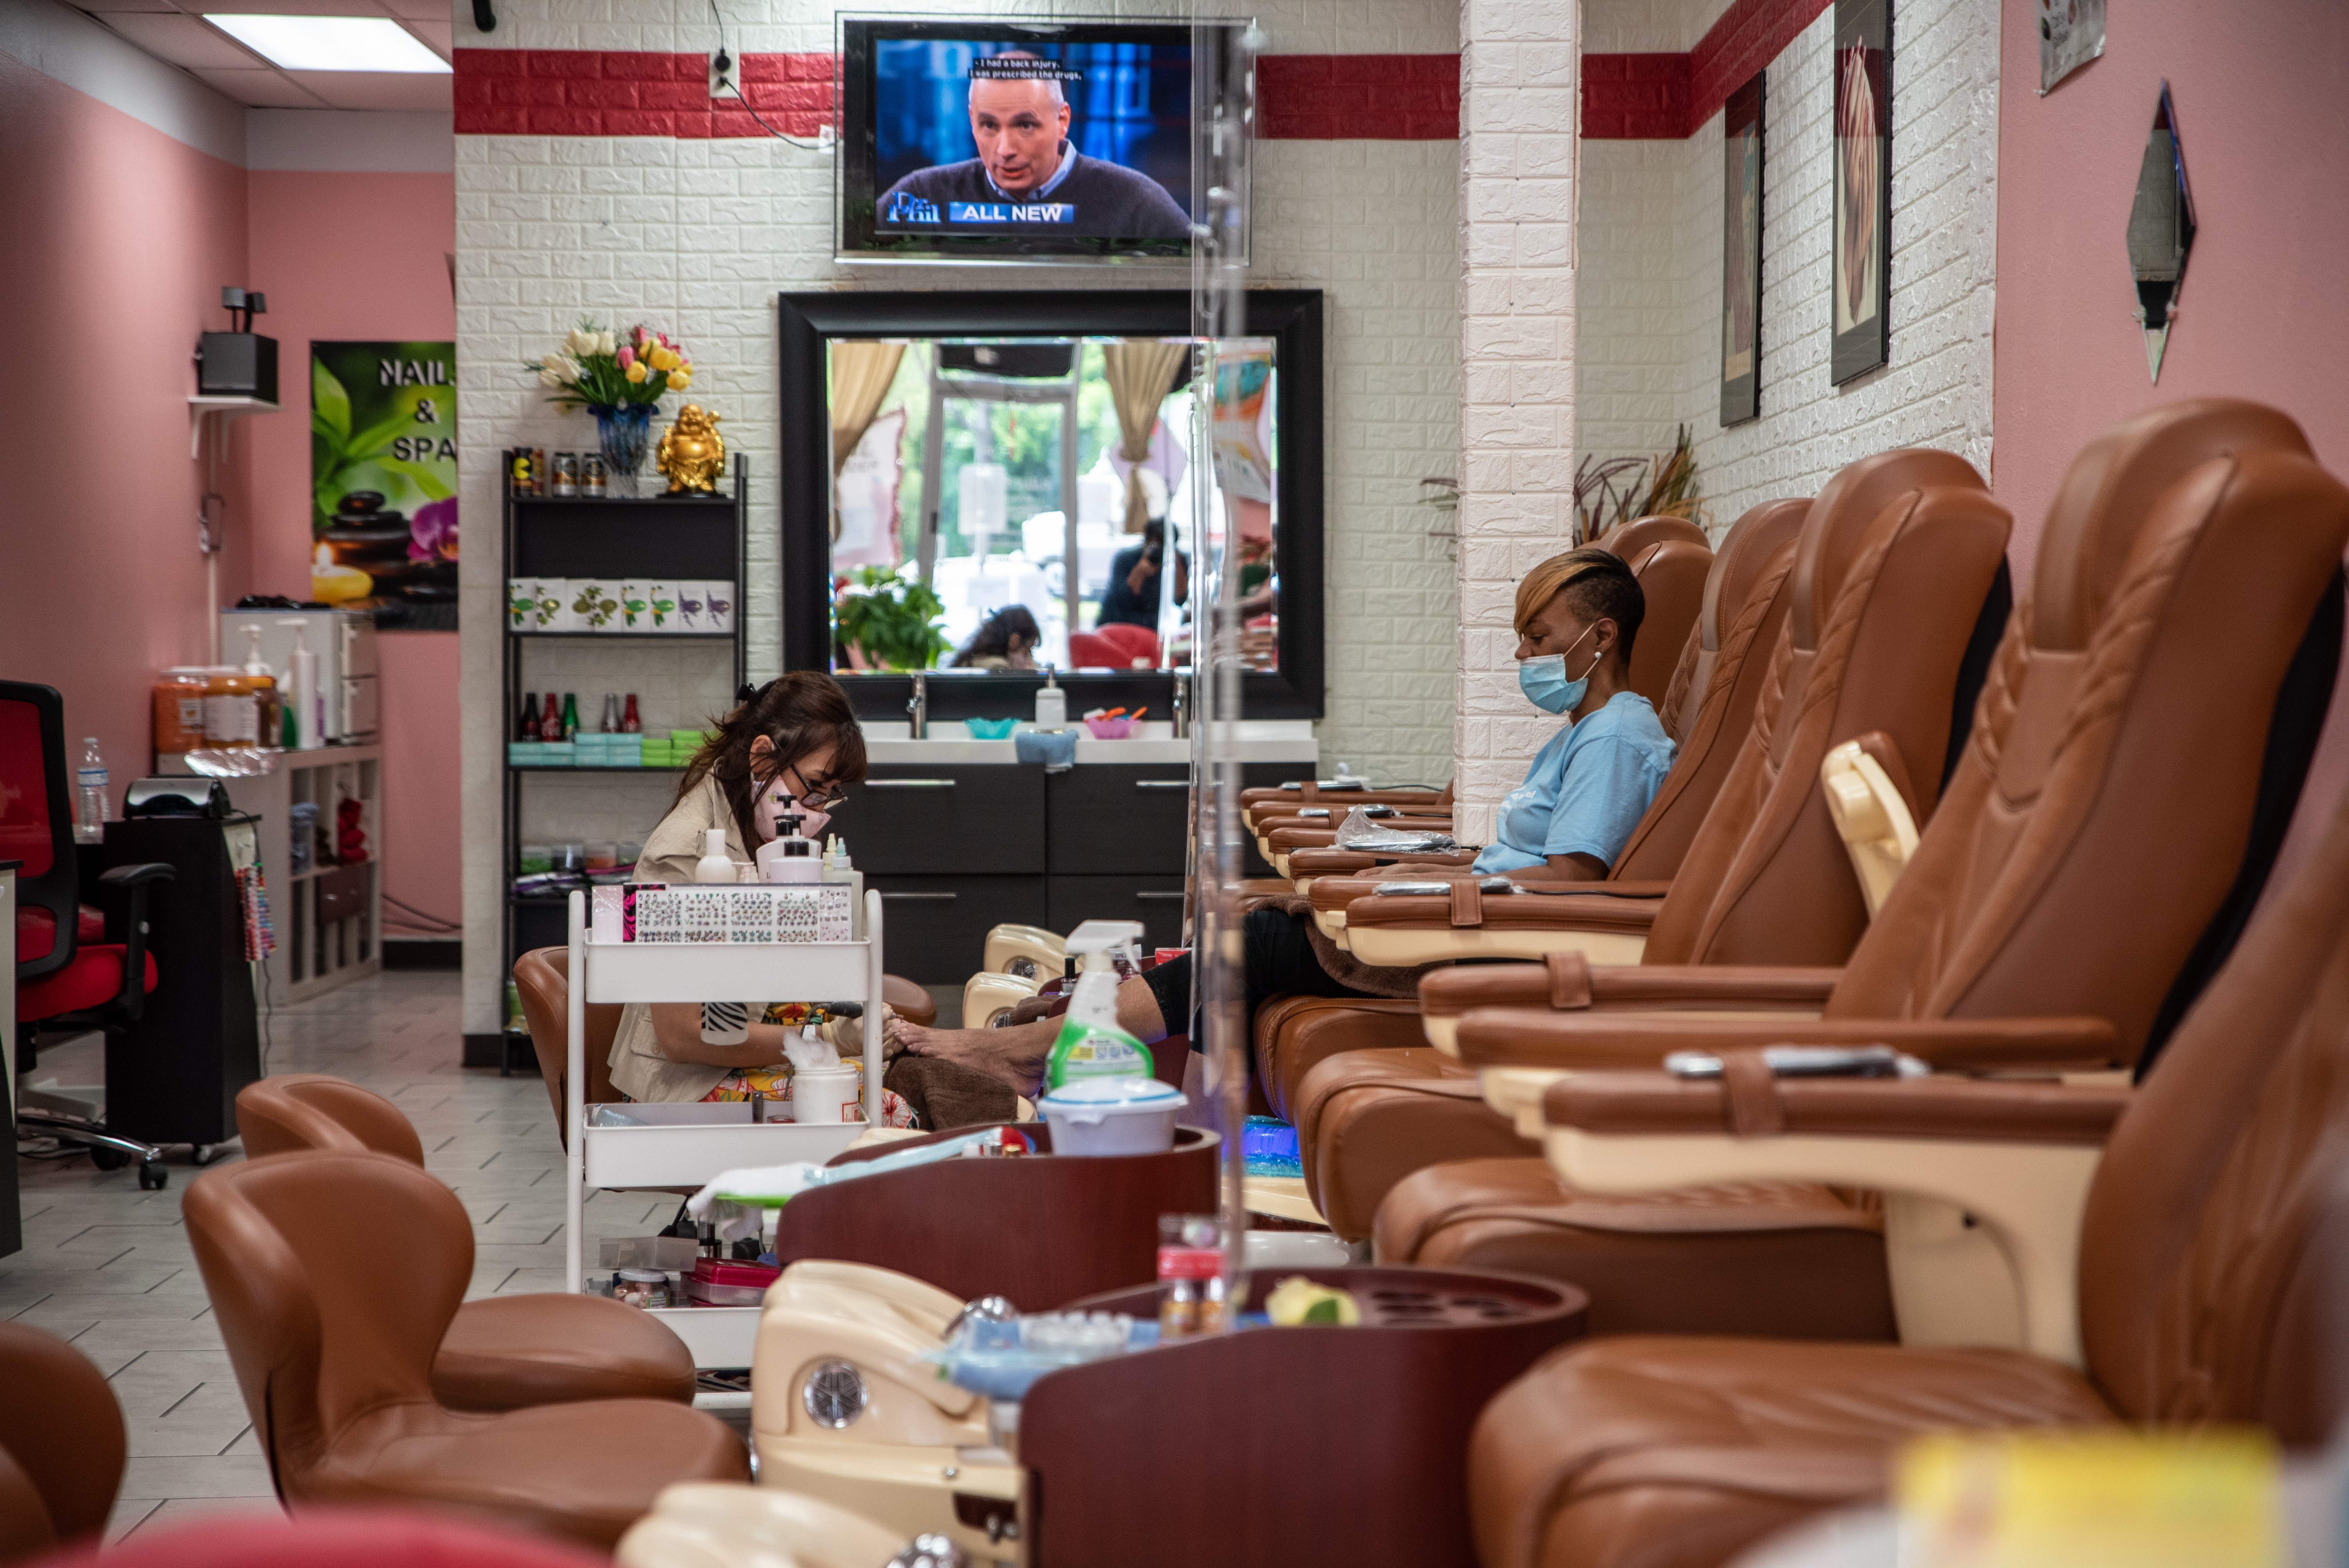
(2263,313)
(424,859)
(2262,310)
(342,256)
(364,256)
(121,240)
(133,234)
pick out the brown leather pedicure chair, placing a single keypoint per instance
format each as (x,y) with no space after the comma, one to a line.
(1898,570)
(503,1352)
(335,1278)
(2138,756)
(2181,1246)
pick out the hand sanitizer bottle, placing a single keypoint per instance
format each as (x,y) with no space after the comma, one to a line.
(1052,703)
(1090,1044)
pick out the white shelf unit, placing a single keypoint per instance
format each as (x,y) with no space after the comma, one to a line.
(329,919)
(633,1145)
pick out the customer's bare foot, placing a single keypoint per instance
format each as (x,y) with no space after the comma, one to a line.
(1012,1056)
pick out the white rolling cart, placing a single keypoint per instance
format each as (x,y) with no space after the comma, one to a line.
(647,1145)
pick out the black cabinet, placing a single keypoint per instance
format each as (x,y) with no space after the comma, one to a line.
(934,928)
(909,820)
(1120,818)
(956,851)
(174,1075)
(1155,901)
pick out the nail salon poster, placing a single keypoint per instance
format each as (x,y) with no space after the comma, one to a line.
(383,481)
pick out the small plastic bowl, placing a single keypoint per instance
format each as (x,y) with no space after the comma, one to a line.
(990,728)
(1110,728)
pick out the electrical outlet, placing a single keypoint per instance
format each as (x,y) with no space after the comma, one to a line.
(726,80)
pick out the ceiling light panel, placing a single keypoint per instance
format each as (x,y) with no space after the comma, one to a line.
(330,43)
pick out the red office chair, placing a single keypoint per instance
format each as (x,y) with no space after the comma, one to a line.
(67,975)
(1091,651)
(1139,642)
(1107,649)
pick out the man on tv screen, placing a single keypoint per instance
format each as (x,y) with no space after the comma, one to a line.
(1027,176)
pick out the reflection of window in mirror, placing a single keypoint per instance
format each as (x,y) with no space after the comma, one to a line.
(1009,504)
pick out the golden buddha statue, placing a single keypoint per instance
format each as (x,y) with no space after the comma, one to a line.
(691,452)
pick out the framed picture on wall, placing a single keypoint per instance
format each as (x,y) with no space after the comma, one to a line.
(1861,273)
(1741,254)
(383,481)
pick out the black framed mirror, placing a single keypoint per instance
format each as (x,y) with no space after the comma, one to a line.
(1029,451)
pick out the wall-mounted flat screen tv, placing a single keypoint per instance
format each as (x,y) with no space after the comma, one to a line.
(975,140)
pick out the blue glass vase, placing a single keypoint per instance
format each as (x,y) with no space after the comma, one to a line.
(621,431)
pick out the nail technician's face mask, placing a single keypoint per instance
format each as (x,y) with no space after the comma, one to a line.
(1543,679)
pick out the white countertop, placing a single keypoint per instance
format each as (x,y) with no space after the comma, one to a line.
(1260,740)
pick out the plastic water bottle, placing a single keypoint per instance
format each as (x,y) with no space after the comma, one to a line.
(90,795)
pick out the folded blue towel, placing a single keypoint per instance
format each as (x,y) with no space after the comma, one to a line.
(1055,748)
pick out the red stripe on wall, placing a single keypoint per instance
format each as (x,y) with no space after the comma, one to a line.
(1359,98)
(1663,97)
(1749,36)
(581,92)
(1635,98)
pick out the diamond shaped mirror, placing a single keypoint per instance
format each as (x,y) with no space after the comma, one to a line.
(2160,232)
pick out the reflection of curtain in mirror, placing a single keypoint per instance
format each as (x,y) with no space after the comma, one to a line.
(1140,372)
(861,374)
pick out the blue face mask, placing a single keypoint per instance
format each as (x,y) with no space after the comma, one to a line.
(1543,680)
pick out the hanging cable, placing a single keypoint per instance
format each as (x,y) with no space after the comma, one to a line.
(725,62)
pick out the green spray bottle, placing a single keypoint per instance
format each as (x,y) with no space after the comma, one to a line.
(1090,1044)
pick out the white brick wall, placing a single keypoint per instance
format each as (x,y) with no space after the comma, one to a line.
(1517,114)
(1647,26)
(1936,390)
(1631,343)
(1373,224)
(699,237)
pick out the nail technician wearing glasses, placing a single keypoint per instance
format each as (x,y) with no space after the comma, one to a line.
(789,745)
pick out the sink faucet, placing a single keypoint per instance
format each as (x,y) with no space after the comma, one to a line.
(917,707)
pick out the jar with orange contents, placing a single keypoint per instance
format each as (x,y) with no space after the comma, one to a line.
(180,710)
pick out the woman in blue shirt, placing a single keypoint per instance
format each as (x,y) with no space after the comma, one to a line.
(1576,615)
(1590,784)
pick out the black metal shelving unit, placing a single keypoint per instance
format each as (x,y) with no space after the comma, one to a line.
(670,538)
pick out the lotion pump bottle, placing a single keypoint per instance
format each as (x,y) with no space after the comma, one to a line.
(1052,703)
(1090,1044)
(302,677)
(791,858)
(715,864)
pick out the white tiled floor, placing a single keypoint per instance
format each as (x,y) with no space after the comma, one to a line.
(107,1266)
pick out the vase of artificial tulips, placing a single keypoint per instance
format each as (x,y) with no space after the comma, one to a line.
(620,378)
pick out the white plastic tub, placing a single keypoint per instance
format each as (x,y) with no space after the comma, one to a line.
(825,1095)
(1113,1116)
